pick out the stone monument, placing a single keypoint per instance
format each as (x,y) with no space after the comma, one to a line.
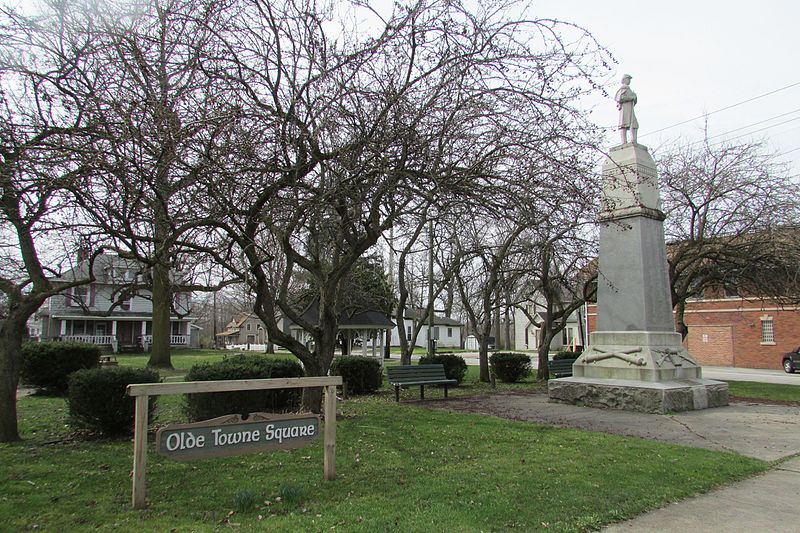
(635,360)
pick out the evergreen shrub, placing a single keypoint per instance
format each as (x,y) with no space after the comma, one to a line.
(202,406)
(47,365)
(361,375)
(97,398)
(510,367)
(567,354)
(454,365)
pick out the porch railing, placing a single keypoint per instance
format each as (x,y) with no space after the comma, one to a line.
(174,340)
(89,339)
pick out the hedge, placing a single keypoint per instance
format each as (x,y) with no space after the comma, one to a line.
(97,398)
(454,365)
(202,406)
(510,367)
(47,365)
(361,375)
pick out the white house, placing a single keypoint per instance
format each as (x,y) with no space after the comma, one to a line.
(85,313)
(446,331)
(527,335)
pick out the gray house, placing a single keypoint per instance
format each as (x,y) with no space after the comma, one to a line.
(111,311)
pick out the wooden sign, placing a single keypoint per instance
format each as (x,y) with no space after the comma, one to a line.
(230,435)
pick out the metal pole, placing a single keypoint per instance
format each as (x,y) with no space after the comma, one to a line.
(431,341)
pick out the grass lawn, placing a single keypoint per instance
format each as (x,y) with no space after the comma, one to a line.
(400,467)
(764,391)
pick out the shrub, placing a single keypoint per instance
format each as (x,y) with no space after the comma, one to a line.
(97,399)
(567,354)
(454,365)
(202,406)
(510,367)
(47,365)
(362,375)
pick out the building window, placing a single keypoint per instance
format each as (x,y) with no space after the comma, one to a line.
(408,332)
(436,332)
(767,330)
(248,326)
(125,304)
(449,332)
(80,295)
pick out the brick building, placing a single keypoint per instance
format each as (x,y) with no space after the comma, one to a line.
(736,331)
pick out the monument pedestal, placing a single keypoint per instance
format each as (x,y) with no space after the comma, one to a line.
(642,371)
(635,361)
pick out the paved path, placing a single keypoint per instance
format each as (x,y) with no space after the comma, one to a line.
(764,503)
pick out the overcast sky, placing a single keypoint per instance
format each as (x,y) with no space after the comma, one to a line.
(688,58)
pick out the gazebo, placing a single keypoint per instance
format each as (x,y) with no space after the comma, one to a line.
(370,327)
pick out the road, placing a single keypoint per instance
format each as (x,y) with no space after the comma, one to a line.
(758,375)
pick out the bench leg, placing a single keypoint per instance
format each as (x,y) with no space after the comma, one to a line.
(422,392)
(397,393)
(445,391)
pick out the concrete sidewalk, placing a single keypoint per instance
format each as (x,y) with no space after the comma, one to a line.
(766,502)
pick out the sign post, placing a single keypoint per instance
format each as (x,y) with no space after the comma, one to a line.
(230,435)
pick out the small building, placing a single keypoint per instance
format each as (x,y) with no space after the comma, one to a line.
(113,311)
(447,331)
(365,329)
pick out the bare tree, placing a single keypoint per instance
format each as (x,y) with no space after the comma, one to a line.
(38,122)
(346,136)
(160,119)
(731,221)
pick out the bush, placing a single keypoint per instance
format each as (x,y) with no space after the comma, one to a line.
(362,375)
(454,365)
(97,398)
(202,406)
(510,367)
(567,354)
(47,365)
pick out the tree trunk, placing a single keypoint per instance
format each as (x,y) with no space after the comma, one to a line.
(547,336)
(10,366)
(162,301)
(483,357)
(680,324)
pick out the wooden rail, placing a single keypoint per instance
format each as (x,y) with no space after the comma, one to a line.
(143,390)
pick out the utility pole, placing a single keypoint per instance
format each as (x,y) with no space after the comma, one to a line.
(431,317)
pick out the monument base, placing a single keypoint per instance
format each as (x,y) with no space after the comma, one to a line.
(641,396)
(646,371)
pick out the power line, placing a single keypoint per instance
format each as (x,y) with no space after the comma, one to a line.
(759,122)
(722,109)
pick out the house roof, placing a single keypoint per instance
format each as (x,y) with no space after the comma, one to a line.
(418,314)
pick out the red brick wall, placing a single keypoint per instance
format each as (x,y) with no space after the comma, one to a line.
(733,329)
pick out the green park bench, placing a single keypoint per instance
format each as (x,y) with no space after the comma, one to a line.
(560,368)
(406,375)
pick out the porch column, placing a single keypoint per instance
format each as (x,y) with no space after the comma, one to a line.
(382,334)
(373,342)
(63,327)
(144,328)
(114,341)
(363,342)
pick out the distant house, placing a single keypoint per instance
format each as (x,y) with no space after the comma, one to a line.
(528,335)
(448,332)
(85,313)
(244,329)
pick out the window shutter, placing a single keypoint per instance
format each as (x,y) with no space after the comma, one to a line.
(68,297)
(92,294)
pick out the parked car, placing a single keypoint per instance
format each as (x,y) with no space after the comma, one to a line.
(791,361)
